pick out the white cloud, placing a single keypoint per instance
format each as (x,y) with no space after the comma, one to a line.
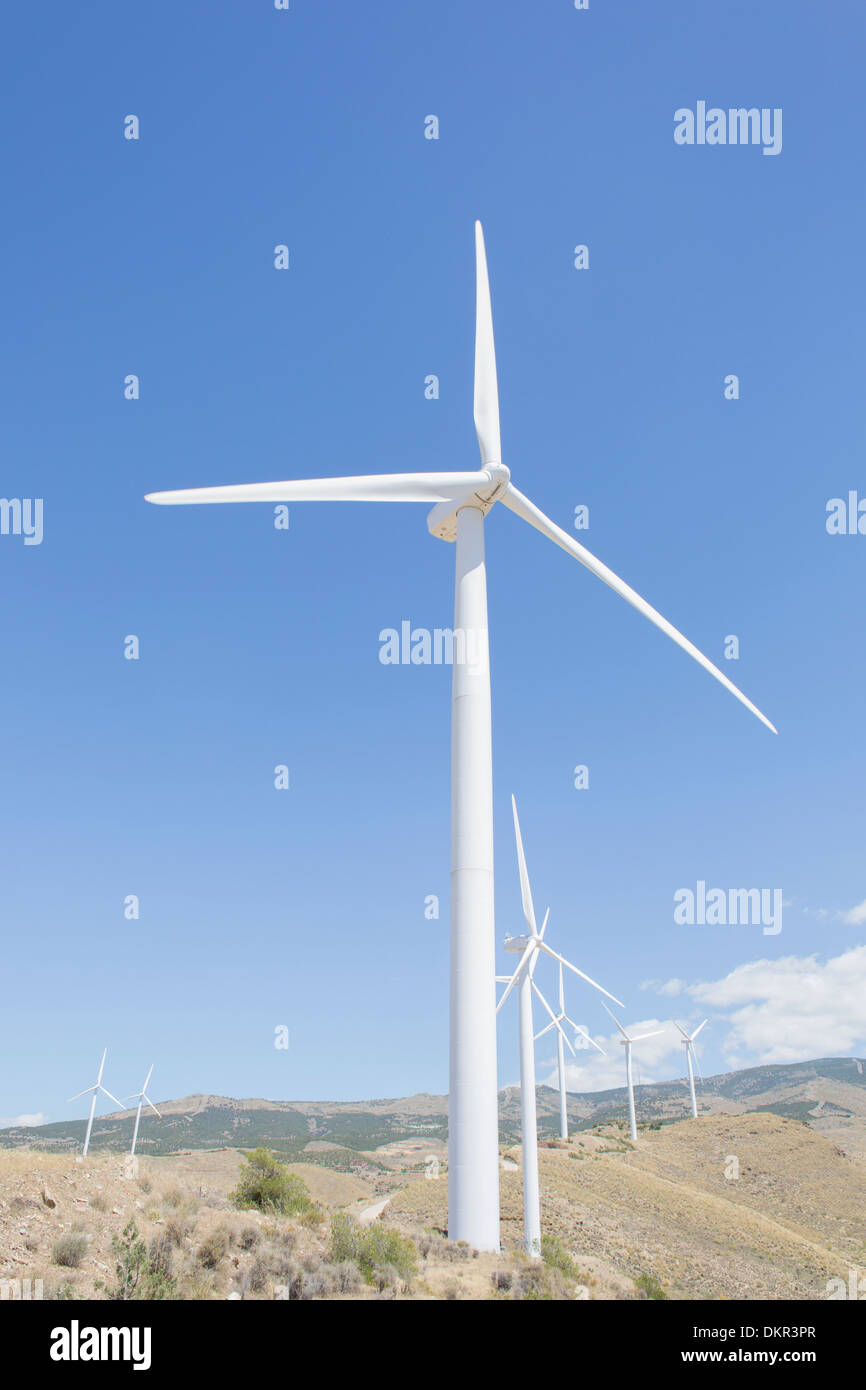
(855,916)
(24,1121)
(666,987)
(790,1009)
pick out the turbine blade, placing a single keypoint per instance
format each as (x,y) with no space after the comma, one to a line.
(544,1030)
(101,1066)
(682,1030)
(534,961)
(486,403)
(375,487)
(117,1102)
(147,1079)
(616,1020)
(697,1030)
(153,1107)
(561,991)
(639,1037)
(80,1094)
(525,890)
(543,946)
(529,512)
(590,1040)
(513,981)
(556,1023)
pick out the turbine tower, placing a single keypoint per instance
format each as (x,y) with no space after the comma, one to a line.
(95,1089)
(142,1096)
(462,501)
(691,1058)
(561,1041)
(628,1042)
(530,948)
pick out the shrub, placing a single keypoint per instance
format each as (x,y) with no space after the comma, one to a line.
(266,1186)
(555,1256)
(212,1248)
(98,1202)
(649,1287)
(371,1248)
(257,1275)
(539,1282)
(176,1230)
(249,1237)
(139,1273)
(347,1276)
(69,1251)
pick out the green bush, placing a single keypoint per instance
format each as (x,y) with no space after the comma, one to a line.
(555,1256)
(649,1286)
(69,1251)
(266,1186)
(373,1249)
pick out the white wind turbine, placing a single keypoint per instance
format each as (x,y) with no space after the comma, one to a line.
(692,1059)
(462,501)
(557,1021)
(142,1096)
(530,948)
(95,1089)
(627,1043)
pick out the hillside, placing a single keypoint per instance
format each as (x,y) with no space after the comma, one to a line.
(664,1218)
(828,1094)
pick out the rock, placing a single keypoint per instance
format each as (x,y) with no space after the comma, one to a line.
(115,1211)
(48,1199)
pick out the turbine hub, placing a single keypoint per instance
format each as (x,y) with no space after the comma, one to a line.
(442,520)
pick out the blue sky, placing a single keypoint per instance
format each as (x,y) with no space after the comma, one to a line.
(305,908)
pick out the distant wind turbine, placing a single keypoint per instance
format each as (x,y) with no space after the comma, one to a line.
(461,503)
(530,948)
(692,1059)
(628,1043)
(95,1089)
(561,1040)
(142,1096)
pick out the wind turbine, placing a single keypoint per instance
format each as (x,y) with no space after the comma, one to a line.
(691,1058)
(627,1043)
(142,1096)
(557,1021)
(462,501)
(530,947)
(96,1088)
